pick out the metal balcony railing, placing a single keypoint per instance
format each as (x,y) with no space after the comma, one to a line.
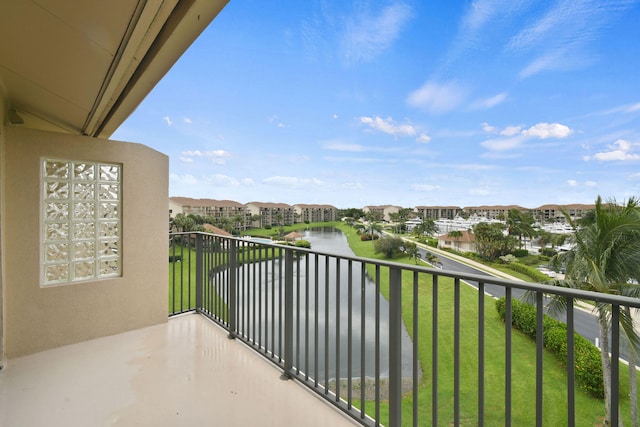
(323,319)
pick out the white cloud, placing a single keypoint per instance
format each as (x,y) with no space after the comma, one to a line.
(634,176)
(352,185)
(511,130)
(425,187)
(192,153)
(335,116)
(572,183)
(222,180)
(515,136)
(437,97)
(187,120)
(423,138)
(627,108)
(591,184)
(619,150)
(167,120)
(502,144)
(368,35)
(217,156)
(548,130)
(339,146)
(633,108)
(559,39)
(487,127)
(486,103)
(248,182)
(388,126)
(292,182)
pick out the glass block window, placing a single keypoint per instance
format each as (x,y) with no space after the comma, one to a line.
(81,223)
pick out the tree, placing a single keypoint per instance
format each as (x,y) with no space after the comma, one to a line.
(427,226)
(520,224)
(491,241)
(604,257)
(183,223)
(237,223)
(412,250)
(256,218)
(389,246)
(279,219)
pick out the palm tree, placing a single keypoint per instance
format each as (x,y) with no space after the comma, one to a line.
(520,224)
(605,256)
(412,250)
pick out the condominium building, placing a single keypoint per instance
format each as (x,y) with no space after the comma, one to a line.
(316,213)
(272,213)
(438,212)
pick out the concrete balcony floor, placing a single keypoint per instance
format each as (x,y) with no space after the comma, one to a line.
(184,372)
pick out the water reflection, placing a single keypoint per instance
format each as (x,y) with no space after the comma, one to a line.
(336,306)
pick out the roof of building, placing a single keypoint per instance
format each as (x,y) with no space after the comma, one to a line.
(466,237)
(187,201)
(215,230)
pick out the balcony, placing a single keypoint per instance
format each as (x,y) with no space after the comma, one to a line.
(183,372)
(277,335)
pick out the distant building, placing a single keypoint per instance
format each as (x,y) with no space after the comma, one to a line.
(438,212)
(272,213)
(412,223)
(554,213)
(383,211)
(493,212)
(315,213)
(465,243)
(211,209)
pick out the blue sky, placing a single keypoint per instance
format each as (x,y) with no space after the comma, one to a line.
(410,103)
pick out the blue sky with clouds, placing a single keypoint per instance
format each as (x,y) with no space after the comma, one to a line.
(369,102)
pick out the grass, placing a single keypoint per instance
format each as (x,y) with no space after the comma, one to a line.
(589,410)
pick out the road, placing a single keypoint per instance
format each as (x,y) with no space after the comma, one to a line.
(585,323)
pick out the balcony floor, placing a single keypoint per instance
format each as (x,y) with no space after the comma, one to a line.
(182,372)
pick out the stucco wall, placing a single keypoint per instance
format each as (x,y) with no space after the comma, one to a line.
(39,318)
(3,114)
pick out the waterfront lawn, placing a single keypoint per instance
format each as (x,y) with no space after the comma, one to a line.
(589,411)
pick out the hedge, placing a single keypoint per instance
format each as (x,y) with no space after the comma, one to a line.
(520,253)
(587,363)
(529,271)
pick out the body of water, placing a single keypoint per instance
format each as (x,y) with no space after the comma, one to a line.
(348,302)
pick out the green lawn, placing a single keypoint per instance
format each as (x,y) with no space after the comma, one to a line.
(589,411)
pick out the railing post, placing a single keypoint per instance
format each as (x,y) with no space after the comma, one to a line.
(199,272)
(395,347)
(288,313)
(233,288)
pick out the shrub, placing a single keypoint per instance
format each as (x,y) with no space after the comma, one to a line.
(529,271)
(367,237)
(432,242)
(548,252)
(587,363)
(303,244)
(267,227)
(508,259)
(520,253)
